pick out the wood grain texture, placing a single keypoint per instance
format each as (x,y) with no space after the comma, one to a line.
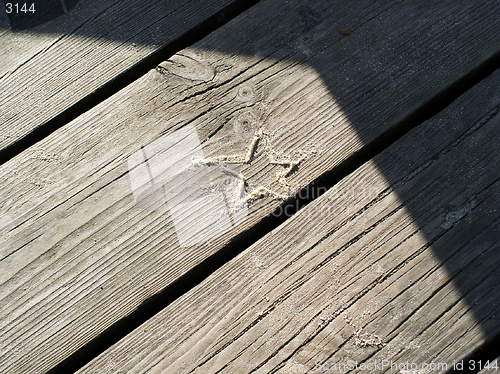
(46,69)
(397,263)
(78,253)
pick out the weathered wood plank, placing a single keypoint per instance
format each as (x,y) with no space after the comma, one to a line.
(47,68)
(396,264)
(78,253)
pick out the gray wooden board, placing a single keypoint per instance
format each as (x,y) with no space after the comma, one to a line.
(397,264)
(78,253)
(46,69)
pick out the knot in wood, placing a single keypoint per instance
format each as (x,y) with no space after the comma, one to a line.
(187,67)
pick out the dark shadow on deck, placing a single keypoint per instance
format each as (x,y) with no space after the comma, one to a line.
(307,22)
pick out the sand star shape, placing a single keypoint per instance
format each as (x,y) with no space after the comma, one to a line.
(261,191)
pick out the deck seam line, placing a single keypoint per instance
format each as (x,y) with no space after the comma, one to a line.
(141,68)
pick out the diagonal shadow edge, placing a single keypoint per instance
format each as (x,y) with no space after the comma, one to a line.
(489,351)
(241,242)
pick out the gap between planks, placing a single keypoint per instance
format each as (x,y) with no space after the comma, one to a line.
(35,130)
(116,213)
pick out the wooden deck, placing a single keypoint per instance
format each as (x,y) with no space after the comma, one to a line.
(251,187)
